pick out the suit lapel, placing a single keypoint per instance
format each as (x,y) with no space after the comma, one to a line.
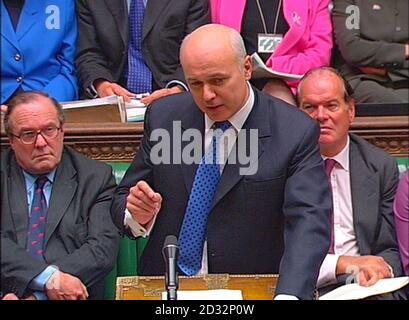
(231,174)
(18,202)
(195,121)
(153,11)
(365,199)
(119,10)
(28,18)
(7,30)
(64,188)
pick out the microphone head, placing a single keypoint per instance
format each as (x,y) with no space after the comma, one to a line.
(170,240)
(170,247)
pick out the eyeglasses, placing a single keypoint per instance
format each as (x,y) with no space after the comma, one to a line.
(29,137)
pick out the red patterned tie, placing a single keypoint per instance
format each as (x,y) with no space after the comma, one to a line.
(328,166)
(37,219)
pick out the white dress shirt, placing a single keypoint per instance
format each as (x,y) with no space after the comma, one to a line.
(345,242)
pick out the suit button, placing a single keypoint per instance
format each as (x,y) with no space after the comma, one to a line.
(17,57)
(19,79)
(398,28)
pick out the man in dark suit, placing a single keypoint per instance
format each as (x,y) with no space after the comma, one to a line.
(79,241)
(103,44)
(374,55)
(363,181)
(269,214)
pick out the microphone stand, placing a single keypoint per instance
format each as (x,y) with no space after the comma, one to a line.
(170,253)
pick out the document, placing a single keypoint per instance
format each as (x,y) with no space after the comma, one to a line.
(218,294)
(260,70)
(135,114)
(135,110)
(353,291)
(107,109)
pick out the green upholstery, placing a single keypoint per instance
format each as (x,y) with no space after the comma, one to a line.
(127,257)
(403,164)
(130,251)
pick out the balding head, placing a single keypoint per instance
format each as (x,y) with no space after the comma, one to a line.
(216,69)
(213,38)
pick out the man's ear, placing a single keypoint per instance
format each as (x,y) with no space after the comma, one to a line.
(351,110)
(248,67)
(12,142)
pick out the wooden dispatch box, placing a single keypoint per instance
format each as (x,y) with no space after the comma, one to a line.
(253,287)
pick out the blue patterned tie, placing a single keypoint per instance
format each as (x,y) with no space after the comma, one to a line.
(193,232)
(37,220)
(139,77)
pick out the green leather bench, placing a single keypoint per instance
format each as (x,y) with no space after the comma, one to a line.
(403,164)
(130,250)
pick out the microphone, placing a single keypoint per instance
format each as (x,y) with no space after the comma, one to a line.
(170,253)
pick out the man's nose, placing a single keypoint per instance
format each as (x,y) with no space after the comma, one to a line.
(40,141)
(208,93)
(321,114)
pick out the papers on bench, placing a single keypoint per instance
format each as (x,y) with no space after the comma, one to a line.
(354,291)
(135,110)
(260,70)
(218,294)
(107,109)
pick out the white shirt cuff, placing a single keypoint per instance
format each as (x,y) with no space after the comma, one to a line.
(136,229)
(285,297)
(173,83)
(328,270)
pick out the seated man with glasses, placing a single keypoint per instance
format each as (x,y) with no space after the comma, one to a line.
(57,237)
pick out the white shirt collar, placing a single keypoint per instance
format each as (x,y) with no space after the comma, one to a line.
(342,157)
(238,119)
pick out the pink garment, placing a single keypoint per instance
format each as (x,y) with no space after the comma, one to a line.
(401,211)
(306,45)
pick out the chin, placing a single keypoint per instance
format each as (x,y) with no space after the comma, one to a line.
(44,168)
(325,143)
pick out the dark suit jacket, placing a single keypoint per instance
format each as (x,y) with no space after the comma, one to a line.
(371,43)
(102,48)
(80,237)
(374,179)
(275,221)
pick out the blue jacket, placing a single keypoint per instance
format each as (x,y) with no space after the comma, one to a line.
(40,54)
